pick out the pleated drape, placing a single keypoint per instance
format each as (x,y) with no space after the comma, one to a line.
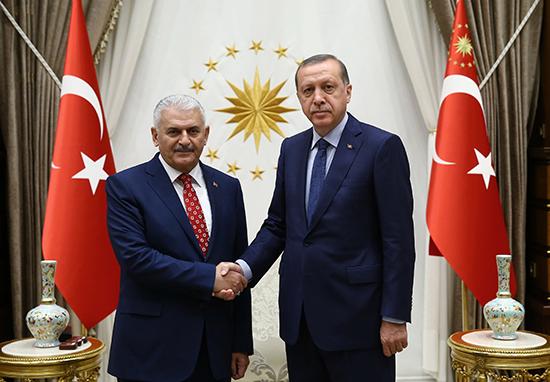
(29,102)
(510,98)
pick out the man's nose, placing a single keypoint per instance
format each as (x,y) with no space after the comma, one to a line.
(184,139)
(318,97)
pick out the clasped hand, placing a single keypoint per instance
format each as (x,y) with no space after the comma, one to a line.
(230,281)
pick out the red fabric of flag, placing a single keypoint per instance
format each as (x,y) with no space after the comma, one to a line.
(75,228)
(464,213)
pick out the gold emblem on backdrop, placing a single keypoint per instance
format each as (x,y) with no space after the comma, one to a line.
(257,109)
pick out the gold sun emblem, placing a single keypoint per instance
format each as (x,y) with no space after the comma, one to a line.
(257,110)
(464,46)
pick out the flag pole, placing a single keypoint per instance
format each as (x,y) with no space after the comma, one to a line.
(464,307)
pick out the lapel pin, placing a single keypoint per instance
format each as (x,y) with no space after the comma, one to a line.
(215,184)
(350,147)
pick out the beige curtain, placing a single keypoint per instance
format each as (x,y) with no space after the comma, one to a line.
(510,99)
(29,101)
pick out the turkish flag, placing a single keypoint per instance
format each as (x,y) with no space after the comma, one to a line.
(464,213)
(75,227)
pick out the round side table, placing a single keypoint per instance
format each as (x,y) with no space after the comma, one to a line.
(19,359)
(477,356)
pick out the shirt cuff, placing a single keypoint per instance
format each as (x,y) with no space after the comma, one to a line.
(246,269)
(392,320)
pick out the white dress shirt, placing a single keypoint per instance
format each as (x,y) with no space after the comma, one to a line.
(198,184)
(332,138)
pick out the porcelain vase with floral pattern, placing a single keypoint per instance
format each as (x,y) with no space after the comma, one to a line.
(504,314)
(48,320)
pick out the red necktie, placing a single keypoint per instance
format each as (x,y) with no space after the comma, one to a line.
(194,212)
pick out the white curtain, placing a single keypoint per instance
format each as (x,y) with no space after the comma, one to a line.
(170,46)
(115,73)
(424,54)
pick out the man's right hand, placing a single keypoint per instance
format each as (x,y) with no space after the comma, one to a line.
(229,281)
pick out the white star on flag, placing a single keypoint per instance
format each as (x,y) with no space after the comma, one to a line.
(93,171)
(484,167)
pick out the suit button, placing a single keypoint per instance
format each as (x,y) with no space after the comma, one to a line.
(307,243)
(201,305)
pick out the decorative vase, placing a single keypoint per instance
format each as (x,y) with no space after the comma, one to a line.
(48,320)
(504,314)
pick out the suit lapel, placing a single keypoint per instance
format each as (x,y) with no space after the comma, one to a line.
(214,196)
(297,164)
(345,154)
(161,184)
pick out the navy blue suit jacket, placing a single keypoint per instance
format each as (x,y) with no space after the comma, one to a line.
(354,263)
(165,302)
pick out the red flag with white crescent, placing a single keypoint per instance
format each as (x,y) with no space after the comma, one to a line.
(464,213)
(75,228)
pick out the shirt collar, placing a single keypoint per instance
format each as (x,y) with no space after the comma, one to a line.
(173,174)
(333,137)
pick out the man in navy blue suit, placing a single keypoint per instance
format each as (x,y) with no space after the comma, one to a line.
(176,227)
(341,214)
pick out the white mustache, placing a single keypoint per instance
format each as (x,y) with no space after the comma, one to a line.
(321,108)
(184,148)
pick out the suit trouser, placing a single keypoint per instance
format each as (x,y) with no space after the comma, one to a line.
(307,363)
(202,372)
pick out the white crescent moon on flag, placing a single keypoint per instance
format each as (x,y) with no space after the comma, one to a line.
(458,84)
(79,87)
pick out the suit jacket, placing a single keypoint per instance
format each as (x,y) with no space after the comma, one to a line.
(354,263)
(165,302)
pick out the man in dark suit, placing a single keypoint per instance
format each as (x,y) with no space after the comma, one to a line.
(171,220)
(341,214)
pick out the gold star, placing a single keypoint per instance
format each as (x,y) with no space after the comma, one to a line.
(212,154)
(281,51)
(256,46)
(231,51)
(464,46)
(257,173)
(466,26)
(257,110)
(197,86)
(233,168)
(463,65)
(211,65)
(469,64)
(299,62)
(459,26)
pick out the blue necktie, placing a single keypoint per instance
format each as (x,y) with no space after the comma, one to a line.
(317,177)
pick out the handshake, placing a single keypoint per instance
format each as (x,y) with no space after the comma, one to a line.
(230,281)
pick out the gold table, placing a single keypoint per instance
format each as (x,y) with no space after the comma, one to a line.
(526,363)
(82,364)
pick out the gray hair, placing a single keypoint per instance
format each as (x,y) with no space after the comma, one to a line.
(179,102)
(322,58)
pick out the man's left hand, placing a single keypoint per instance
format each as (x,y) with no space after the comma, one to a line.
(239,363)
(393,337)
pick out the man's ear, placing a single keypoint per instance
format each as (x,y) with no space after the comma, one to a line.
(155,136)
